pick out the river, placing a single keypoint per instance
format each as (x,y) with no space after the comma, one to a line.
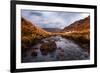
(66,50)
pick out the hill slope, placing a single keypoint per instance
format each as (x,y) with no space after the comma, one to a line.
(80,25)
(79,32)
(31,34)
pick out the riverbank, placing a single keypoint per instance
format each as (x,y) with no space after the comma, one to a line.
(55,48)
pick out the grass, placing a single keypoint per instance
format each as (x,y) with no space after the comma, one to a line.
(82,38)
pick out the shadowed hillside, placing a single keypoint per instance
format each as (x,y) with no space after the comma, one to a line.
(54,30)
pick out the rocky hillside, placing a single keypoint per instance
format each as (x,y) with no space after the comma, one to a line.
(80,25)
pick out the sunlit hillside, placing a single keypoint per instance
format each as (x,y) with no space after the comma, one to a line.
(31,34)
(79,32)
(81,25)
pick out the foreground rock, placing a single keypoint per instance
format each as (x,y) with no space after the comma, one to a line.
(48,47)
(34,54)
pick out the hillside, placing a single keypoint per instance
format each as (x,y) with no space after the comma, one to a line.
(80,25)
(31,34)
(79,32)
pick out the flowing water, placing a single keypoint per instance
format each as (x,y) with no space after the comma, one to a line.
(66,50)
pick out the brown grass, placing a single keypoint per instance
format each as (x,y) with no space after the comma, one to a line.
(31,34)
(82,38)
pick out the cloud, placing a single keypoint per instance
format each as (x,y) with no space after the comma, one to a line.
(35,13)
(50,19)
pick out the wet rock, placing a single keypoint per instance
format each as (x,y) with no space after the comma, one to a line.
(24,54)
(35,48)
(49,47)
(42,41)
(34,54)
(44,53)
(61,55)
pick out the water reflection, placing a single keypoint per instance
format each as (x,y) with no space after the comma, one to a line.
(55,48)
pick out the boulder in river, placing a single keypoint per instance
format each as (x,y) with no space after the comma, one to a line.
(49,47)
(34,54)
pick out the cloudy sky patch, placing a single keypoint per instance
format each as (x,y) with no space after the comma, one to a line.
(50,19)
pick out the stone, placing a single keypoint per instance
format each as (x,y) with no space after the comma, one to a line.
(34,54)
(49,47)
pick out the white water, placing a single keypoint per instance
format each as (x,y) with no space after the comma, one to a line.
(66,50)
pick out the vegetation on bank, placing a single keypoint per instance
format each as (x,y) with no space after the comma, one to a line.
(82,38)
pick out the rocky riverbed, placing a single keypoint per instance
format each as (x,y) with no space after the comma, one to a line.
(55,48)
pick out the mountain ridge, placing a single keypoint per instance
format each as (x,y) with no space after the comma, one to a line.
(52,29)
(80,25)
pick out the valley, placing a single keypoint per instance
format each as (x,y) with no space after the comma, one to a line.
(53,44)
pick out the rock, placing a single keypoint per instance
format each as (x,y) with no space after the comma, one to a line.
(44,53)
(61,55)
(34,54)
(24,54)
(49,47)
(60,49)
(35,48)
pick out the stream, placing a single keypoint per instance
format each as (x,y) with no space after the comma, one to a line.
(65,50)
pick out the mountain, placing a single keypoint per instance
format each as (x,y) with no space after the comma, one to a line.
(52,29)
(31,34)
(80,25)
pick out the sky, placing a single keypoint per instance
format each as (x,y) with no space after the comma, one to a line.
(51,19)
